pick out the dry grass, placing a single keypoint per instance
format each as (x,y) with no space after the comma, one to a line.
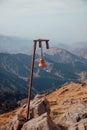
(60,101)
(5,118)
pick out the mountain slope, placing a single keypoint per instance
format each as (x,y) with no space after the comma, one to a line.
(15,71)
(57,69)
(66,104)
(12,89)
(63,56)
(62,67)
(65,99)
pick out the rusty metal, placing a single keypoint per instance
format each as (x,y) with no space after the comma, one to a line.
(31,79)
(32,69)
(40,44)
(42,40)
(47,45)
(42,63)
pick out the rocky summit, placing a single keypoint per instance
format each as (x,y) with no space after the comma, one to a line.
(63,109)
(39,117)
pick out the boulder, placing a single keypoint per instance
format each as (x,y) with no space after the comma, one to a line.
(42,122)
(76,117)
(38,106)
(76,113)
(81,125)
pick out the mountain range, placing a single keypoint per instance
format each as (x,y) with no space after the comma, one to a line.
(11,44)
(15,65)
(62,67)
(80,52)
(14,45)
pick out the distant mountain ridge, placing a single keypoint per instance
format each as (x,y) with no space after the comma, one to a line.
(62,56)
(81,52)
(14,45)
(10,44)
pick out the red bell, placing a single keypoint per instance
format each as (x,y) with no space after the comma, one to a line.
(42,63)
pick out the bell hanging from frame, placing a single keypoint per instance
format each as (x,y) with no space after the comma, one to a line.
(42,63)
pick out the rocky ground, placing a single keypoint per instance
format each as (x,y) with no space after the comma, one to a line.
(68,103)
(63,109)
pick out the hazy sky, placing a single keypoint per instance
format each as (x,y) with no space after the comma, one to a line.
(57,20)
